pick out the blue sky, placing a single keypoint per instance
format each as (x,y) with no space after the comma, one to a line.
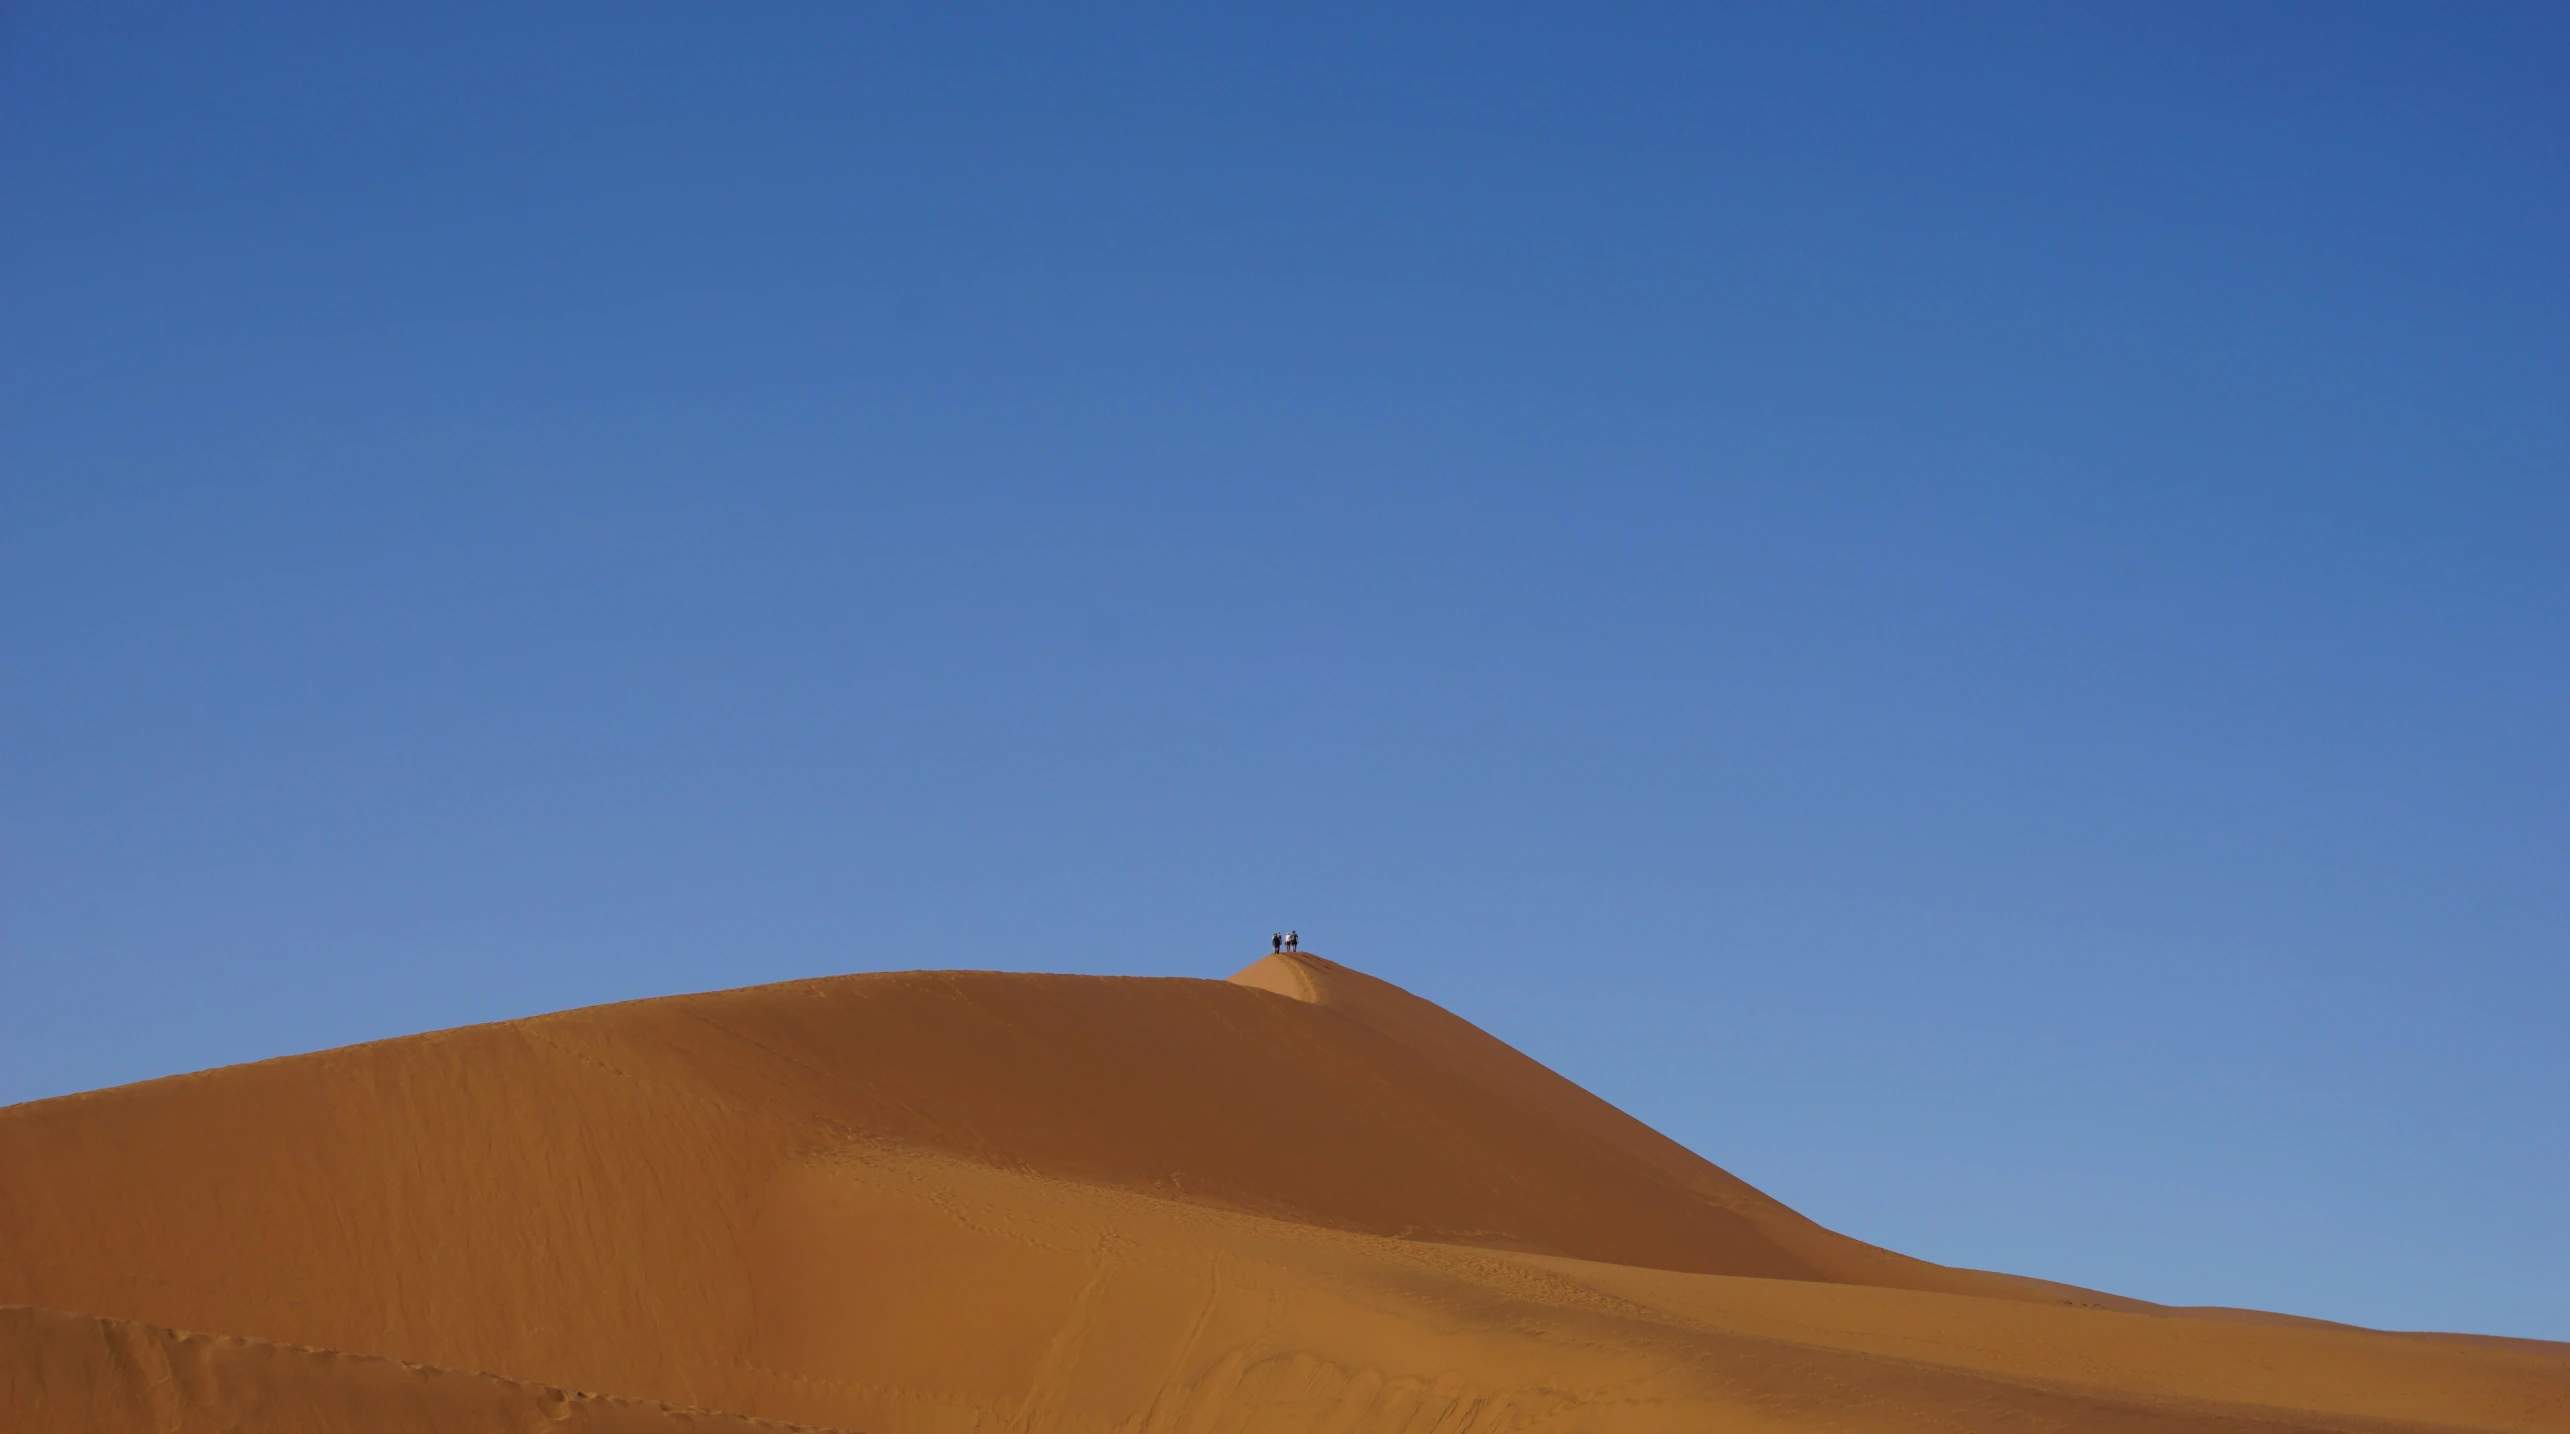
(1961,607)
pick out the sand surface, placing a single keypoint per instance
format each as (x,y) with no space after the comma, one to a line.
(112,1376)
(1298,1200)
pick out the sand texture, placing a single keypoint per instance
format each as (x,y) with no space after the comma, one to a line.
(1298,1200)
(112,1376)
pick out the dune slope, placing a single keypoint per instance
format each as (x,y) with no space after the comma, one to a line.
(1299,1199)
(110,1376)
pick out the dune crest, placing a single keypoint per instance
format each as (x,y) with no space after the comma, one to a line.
(1299,1199)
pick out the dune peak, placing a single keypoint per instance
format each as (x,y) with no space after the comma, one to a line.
(1284,974)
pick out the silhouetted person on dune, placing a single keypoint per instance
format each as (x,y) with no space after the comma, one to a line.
(1276,942)
(1293,940)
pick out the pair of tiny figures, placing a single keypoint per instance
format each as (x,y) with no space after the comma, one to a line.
(1285,941)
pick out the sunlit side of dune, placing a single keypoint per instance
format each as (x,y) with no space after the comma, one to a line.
(1299,1200)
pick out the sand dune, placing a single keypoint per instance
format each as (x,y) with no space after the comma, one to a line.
(110,1376)
(1301,1199)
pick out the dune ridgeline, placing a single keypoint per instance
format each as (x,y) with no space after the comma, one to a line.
(928,1203)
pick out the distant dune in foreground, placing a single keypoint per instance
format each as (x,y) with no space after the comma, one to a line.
(935,1202)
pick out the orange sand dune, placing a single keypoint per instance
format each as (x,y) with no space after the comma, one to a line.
(112,1376)
(1298,1200)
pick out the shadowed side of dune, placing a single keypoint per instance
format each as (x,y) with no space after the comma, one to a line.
(71,1372)
(1548,1117)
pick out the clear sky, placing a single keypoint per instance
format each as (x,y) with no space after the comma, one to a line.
(1966,608)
